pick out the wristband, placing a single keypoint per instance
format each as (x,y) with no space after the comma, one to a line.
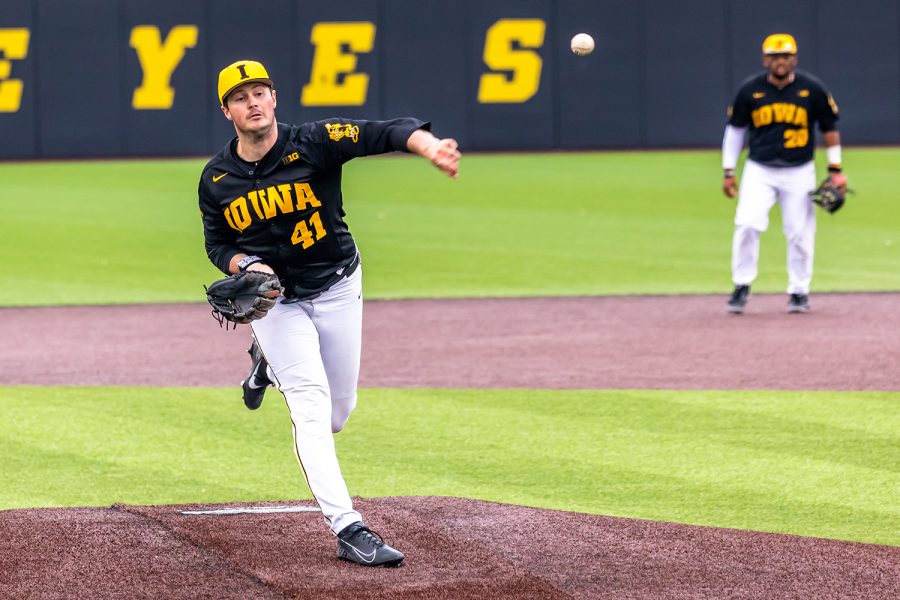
(834,168)
(729,173)
(247,261)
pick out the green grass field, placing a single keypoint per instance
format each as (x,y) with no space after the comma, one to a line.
(822,464)
(512,225)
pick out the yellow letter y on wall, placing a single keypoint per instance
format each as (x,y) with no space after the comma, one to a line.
(158,62)
(13,46)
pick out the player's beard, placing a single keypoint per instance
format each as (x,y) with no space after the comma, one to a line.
(258,134)
(782,79)
(782,73)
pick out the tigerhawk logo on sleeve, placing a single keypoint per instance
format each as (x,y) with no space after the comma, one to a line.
(338,131)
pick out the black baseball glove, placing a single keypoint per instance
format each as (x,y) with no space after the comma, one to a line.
(830,195)
(243,297)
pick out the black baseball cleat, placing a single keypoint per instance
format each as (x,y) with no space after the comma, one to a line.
(798,303)
(738,299)
(357,543)
(257,380)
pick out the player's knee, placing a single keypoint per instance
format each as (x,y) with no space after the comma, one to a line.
(796,237)
(750,227)
(340,413)
(338,421)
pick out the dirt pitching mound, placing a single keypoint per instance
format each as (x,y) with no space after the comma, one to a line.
(455,549)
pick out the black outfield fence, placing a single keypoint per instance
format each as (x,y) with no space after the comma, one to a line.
(128,78)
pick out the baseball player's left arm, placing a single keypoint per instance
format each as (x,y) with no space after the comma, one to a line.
(833,151)
(827,114)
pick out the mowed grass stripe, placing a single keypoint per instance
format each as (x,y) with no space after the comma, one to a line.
(809,463)
(512,225)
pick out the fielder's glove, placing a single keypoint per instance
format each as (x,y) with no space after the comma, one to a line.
(243,297)
(831,193)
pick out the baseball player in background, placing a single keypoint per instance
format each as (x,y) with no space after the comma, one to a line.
(271,201)
(779,107)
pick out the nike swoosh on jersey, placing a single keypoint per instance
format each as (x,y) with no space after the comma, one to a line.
(758,94)
(218,177)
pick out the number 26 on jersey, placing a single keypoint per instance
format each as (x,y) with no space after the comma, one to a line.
(796,138)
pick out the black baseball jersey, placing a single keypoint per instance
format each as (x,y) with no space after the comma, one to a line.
(781,121)
(288,208)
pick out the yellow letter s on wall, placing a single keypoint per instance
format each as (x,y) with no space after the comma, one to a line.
(13,46)
(525,65)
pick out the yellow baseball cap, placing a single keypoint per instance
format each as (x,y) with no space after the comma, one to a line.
(239,73)
(779,43)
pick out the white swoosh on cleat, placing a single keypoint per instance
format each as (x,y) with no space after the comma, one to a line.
(367,557)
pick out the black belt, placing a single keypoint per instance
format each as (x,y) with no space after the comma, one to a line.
(295,293)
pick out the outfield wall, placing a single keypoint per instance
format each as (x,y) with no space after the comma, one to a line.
(128,78)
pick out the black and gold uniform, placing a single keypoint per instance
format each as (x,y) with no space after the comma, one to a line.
(288,208)
(284,213)
(781,121)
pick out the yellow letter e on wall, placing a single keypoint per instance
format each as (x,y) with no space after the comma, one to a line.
(329,63)
(13,46)
(158,62)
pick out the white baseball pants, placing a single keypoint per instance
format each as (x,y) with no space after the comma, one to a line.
(761,187)
(313,350)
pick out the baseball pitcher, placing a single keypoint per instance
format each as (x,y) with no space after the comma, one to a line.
(273,219)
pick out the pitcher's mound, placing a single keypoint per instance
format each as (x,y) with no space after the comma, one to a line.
(455,548)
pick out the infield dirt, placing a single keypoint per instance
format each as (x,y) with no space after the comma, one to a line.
(847,342)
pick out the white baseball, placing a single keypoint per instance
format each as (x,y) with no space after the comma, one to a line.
(582,44)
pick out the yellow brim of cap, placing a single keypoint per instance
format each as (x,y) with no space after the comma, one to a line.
(268,82)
